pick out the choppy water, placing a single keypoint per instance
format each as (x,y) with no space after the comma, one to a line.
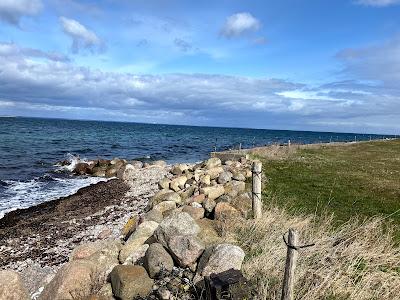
(30,147)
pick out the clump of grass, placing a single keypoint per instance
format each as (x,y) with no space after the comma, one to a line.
(357,260)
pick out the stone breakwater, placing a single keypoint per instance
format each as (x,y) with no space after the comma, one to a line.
(167,234)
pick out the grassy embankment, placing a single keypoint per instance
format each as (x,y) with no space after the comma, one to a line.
(344,197)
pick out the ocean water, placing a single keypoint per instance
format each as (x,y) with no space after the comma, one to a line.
(30,148)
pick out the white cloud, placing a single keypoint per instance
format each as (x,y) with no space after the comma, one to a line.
(11,11)
(240,24)
(81,36)
(380,3)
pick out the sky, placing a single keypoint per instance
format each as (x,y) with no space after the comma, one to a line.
(288,64)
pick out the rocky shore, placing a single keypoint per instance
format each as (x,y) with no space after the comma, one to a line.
(156,232)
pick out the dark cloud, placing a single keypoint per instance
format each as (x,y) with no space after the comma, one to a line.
(183,45)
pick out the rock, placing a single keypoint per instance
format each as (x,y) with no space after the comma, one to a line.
(234,187)
(157,260)
(104,234)
(81,168)
(165,196)
(130,226)
(219,258)
(224,211)
(176,224)
(99,171)
(186,249)
(163,293)
(188,192)
(75,280)
(214,172)
(248,173)
(208,233)
(224,198)
(209,205)
(85,250)
(205,179)
(164,183)
(165,206)
(129,282)
(195,212)
(172,196)
(224,177)
(198,199)
(137,164)
(156,213)
(11,286)
(196,205)
(136,255)
(159,163)
(179,169)
(143,232)
(213,192)
(212,163)
(178,183)
(243,203)
(106,292)
(239,176)
(123,172)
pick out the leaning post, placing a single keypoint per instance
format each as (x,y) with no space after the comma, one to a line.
(256,189)
(291,259)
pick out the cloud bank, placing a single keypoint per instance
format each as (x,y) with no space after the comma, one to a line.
(30,82)
(11,11)
(82,38)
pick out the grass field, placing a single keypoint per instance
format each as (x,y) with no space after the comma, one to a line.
(345,198)
(354,179)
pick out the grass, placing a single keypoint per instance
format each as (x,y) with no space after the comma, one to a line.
(345,198)
(356,260)
(358,179)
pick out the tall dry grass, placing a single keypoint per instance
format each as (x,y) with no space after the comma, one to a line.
(358,260)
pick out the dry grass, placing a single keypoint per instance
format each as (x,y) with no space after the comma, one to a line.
(357,260)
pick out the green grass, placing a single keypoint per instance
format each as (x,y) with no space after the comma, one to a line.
(361,179)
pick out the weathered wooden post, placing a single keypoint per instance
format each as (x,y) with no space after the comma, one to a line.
(256,189)
(291,259)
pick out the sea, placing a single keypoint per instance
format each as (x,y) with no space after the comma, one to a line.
(30,149)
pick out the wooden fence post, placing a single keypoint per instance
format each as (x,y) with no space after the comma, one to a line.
(256,189)
(291,259)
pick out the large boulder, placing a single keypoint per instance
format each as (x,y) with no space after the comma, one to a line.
(178,183)
(224,177)
(234,187)
(243,203)
(205,179)
(75,280)
(213,192)
(165,206)
(224,211)
(179,169)
(136,255)
(219,258)
(176,224)
(143,232)
(195,212)
(186,249)
(165,195)
(239,176)
(212,163)
(155,214)
(157,260)
(164,183)
(11,286)
(215,172)
(129,282)
(208,233)
(82,168)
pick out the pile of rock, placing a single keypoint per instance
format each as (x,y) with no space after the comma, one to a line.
(167,252)
(111,168)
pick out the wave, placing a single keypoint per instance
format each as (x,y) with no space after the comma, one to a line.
(23,194)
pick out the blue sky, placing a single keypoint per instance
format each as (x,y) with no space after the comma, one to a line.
(300,64)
